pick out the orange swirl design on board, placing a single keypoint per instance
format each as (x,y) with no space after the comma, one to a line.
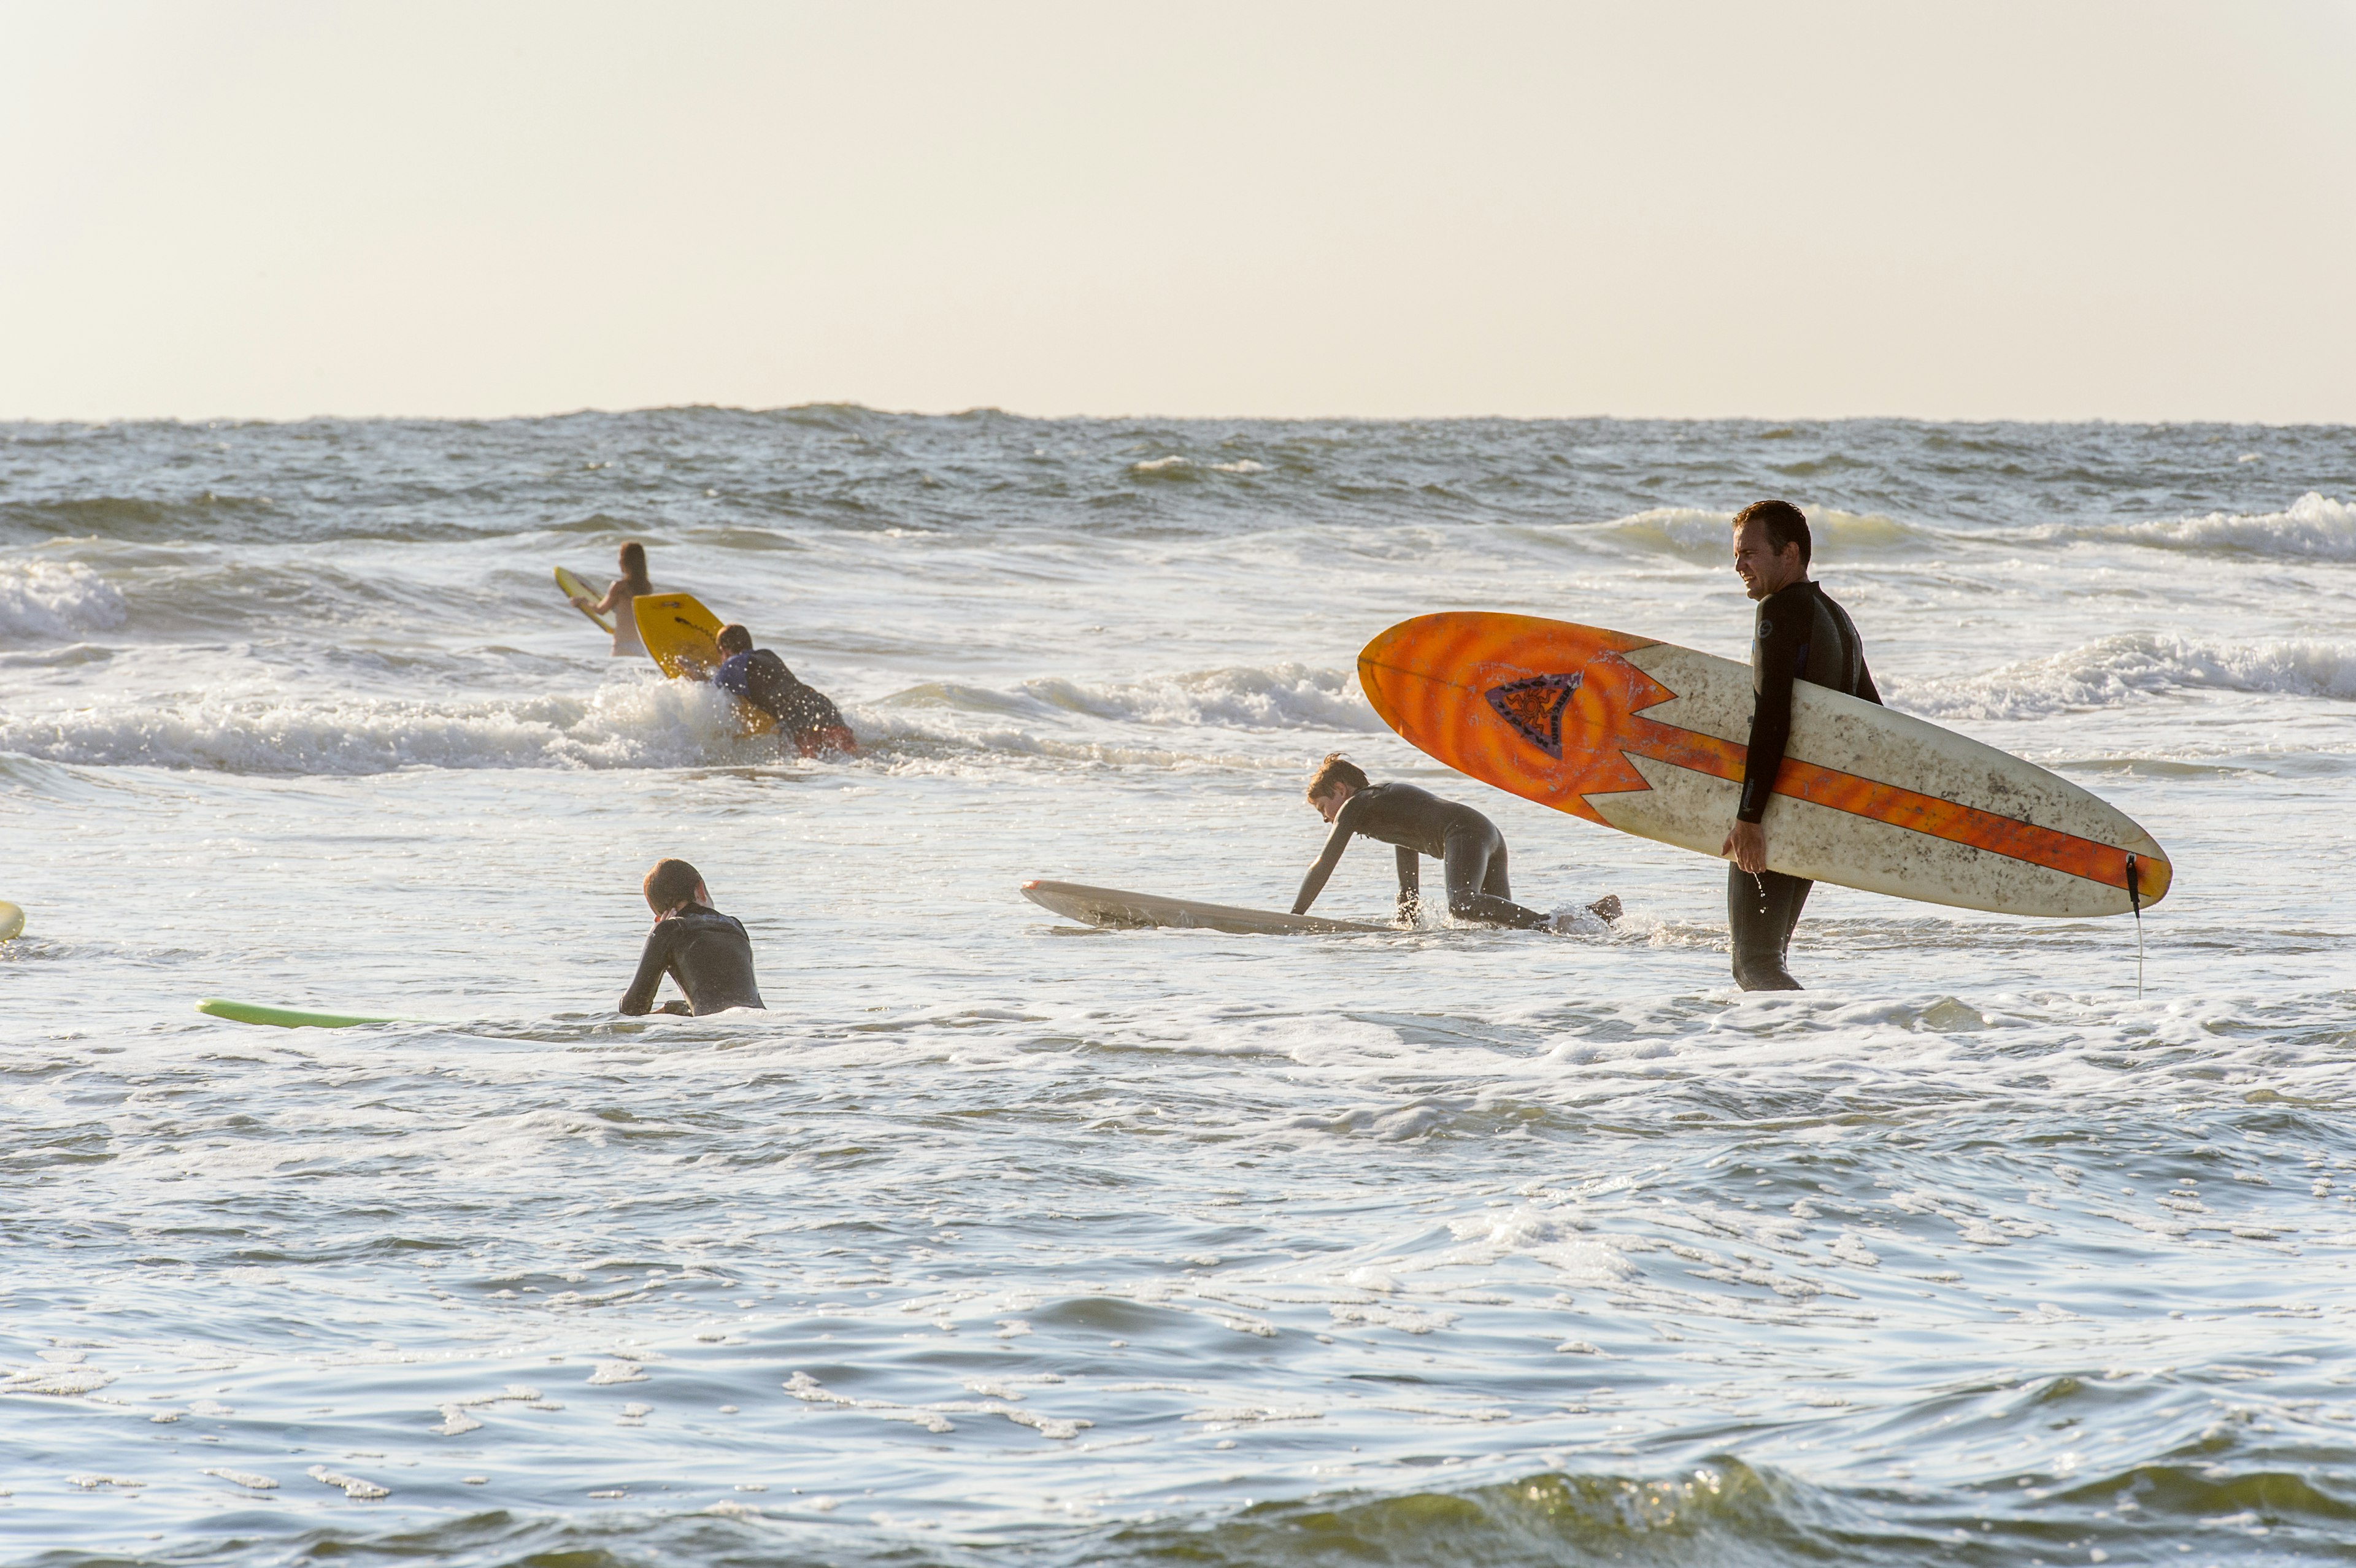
(1509,712)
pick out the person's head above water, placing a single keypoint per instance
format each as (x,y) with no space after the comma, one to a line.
(1336,780)
(672,884)
(734,639)
(634,567)
(1771,547)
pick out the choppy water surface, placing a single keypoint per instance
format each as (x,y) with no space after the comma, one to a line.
(995,1243)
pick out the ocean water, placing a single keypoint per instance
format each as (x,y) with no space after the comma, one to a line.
(992,1243)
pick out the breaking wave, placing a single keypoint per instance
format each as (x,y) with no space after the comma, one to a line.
(55,600)
(2121,669)
(2313,527)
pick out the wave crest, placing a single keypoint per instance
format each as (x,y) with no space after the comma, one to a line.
(2313,527)
(2120,670)
(55,600)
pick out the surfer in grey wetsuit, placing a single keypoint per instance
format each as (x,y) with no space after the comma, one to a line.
(705,951)
(1800,634)
(1417,822)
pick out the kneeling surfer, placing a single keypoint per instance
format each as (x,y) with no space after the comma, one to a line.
(707,953)
(1417,822)
(803,713)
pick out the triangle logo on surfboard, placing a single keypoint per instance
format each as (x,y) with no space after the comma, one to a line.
(1534,708)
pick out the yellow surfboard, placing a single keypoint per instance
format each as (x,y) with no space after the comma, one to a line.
(573,587)
(682,637)
(12,920)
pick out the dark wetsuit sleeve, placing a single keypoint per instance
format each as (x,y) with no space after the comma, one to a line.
(653,965)
(1410,879)
(1864,687)
(1345,822)
(1775,657)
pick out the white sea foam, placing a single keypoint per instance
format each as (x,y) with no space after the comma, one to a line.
(54,601)
(2315,527)
(637,725)
(2123,668)
(1242,696)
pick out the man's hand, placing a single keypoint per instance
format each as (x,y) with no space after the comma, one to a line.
(1746,846)
(677,1008)
(1411,905)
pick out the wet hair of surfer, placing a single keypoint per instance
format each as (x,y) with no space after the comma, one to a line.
(632,559)
(631,584)
(734,639)
(705,953)
(672,883)
(1414,822)
(1798,634)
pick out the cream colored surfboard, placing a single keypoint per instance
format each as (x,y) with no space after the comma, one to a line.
(1111,907)
(1651,739)
(12,920)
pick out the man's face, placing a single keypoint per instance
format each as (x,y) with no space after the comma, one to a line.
(1328,803)
(1763,570)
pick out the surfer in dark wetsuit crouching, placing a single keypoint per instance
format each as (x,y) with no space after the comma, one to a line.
(1417,822)
(804,715)
(1800,634)
(705,951)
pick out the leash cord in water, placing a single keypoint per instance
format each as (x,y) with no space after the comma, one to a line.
(2134,902)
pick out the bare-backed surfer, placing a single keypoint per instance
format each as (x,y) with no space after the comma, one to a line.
(1799,635)
(707,953)
(619,598)
(1417,822)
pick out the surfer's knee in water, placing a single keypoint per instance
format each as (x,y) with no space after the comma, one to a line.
(1479,887)
(1761,910)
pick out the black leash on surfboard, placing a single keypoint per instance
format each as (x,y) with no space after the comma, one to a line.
(2134,902)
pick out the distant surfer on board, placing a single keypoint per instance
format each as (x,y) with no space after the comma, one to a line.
(804,714)
(1417,822)
(1799,635)
(707,953)
(626,587)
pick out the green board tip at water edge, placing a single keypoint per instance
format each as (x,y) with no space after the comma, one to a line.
(282,1018)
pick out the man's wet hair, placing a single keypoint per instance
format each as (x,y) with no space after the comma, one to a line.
(1786,525)
(734,639)
(1336,769)
(670,884)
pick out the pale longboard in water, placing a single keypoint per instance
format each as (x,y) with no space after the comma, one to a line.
(12,920)
(1649,738)
(573,587)
(1112,907)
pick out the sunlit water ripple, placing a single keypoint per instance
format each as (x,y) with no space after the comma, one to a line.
(994,1243)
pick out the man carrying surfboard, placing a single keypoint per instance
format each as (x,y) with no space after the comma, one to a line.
(707,953)
(1799,633)
(1417,822)
(804,715)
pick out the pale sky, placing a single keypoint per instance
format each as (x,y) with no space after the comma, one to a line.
(2062,210)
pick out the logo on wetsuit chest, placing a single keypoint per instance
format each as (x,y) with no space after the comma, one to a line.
(1534,708)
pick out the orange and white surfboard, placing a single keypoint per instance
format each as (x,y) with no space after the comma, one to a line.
(1649,738)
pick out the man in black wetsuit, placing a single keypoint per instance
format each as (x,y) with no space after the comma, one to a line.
(804,716)
(1800,634)
(705,951)
(1417,821)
